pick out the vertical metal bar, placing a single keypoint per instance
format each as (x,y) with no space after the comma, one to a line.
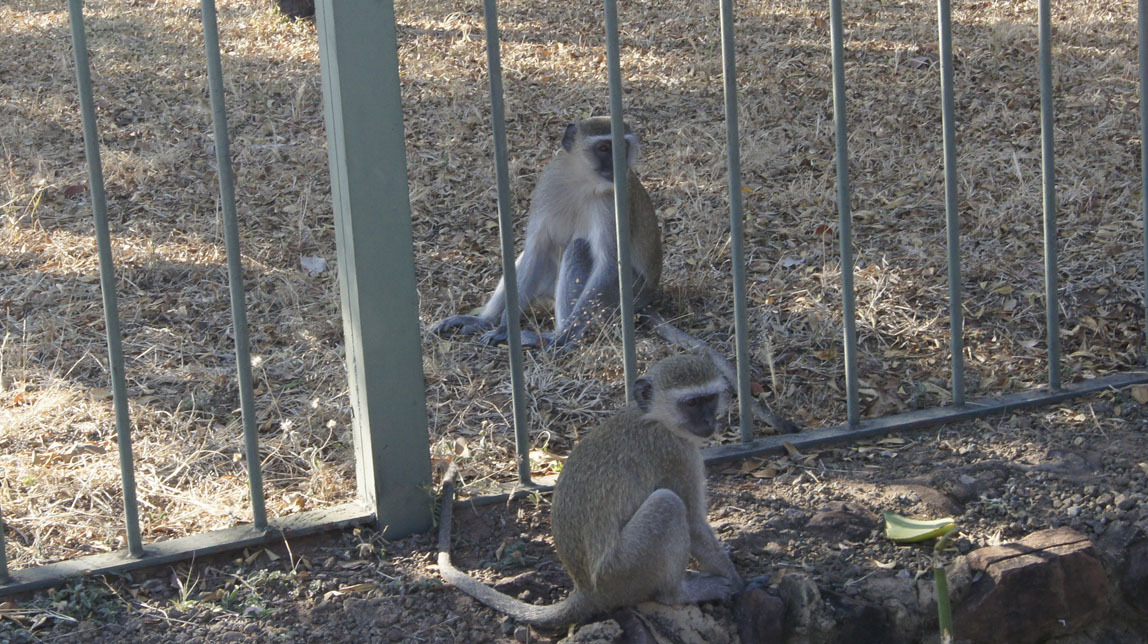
(621,198)
(234,262)
(107,277)
(952,211)
(362,108)
(506,237)
(736,222)
(1048,172)
(3,553)
(1142,26)
(845,217)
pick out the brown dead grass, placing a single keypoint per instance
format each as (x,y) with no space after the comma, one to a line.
(59,489)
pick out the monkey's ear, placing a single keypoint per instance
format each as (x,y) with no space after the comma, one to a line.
(568,137)
(644,393)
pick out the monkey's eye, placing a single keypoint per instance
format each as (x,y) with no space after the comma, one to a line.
(697,401)
(604,147)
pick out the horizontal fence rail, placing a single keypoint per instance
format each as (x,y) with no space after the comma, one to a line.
(360,82)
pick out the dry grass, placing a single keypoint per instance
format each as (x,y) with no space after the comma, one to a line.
(59,490)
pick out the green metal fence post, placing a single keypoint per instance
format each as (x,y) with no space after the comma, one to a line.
(952,210)
(1048,174)
(3,553)
(506,238)
(1142,27)
(736,223)
(844,215)
(621,198)
(363,112)
(107,277)
(234,265)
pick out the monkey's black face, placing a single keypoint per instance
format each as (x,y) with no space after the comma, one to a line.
(700,413)
(603,152)
(602,157)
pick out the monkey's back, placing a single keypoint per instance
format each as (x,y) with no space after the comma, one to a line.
(644,225)
(601,486)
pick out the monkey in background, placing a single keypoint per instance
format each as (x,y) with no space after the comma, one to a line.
(629,508)
(570,252)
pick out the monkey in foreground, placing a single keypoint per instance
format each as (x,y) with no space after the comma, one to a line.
(570,252)
(629,508)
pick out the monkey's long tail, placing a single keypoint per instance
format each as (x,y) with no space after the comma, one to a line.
(575,608)
(673,334)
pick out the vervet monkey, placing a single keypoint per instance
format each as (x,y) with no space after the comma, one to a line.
(570,252)
(629,508)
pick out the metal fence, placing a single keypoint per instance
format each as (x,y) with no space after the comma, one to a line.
(373,231)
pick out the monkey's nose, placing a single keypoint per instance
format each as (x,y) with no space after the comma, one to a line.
(704,428)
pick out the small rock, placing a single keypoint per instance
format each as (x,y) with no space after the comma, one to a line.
(760,617)
(1048,584)
(860,622)
(605,632)
(842,520)
(522,634)
(685,624)
(802,601)
(506,626)
(1134,582)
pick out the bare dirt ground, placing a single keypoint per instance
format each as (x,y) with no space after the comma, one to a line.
(59,489)
(1081,465)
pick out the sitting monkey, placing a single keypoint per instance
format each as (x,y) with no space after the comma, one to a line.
(629,508)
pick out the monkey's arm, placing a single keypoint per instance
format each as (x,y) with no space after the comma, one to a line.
(535,269)
(710,555)
(704,545)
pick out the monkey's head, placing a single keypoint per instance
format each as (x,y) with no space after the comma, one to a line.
(589,140)
(685,393)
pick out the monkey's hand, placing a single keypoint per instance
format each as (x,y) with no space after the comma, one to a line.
(501,335)
(464,324)
(557,343)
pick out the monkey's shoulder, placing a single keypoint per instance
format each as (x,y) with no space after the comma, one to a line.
(627,447)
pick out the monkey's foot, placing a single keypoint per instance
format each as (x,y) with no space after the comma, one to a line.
(697,588)
(464,324)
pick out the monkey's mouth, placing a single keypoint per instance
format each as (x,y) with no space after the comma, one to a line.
(704,431)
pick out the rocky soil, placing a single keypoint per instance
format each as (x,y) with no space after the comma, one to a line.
(805,527)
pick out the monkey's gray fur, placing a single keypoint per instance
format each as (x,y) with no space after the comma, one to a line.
(570,252)
(629,508)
